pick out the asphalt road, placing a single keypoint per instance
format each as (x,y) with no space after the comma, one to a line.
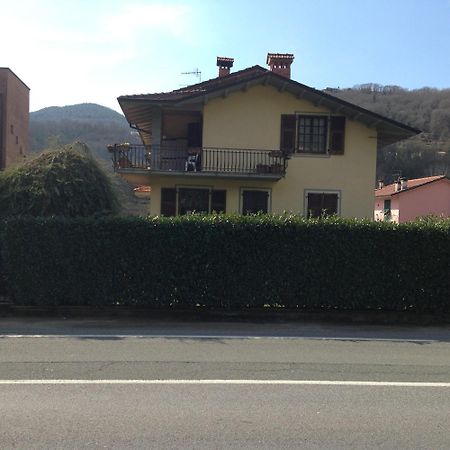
(84,385)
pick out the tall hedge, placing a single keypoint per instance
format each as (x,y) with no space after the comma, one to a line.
(228,262)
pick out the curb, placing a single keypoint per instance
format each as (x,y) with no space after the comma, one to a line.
(256,315)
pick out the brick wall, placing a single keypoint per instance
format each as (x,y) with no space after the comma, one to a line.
(14,118)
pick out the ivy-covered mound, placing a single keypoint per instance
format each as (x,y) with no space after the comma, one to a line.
(64,182)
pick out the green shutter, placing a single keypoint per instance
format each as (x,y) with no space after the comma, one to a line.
(337,135)
(287,135)
(168,202)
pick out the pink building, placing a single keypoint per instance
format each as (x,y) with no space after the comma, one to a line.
(406,200)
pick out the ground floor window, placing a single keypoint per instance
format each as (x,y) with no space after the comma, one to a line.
(387,210)
(320,204)
(255,201)
(190,200)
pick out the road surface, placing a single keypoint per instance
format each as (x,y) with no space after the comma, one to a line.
(109,384)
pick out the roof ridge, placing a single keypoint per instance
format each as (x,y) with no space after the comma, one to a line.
(413,183)
(201,87)
(229,77)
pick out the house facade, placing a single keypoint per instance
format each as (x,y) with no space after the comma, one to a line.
(254,140)
(406,200)
(14,118)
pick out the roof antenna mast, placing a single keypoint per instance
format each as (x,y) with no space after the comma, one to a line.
(195,72)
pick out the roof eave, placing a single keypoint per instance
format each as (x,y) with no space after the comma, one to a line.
(389,131)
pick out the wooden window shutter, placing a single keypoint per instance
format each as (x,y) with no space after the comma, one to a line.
(287,143)
(337,135)
(168,202)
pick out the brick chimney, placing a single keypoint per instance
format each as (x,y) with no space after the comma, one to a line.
(280,63)
(224,65)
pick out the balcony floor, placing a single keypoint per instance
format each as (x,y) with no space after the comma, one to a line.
(201,174)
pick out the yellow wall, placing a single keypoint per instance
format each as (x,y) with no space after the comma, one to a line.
(252,120)
(233,188)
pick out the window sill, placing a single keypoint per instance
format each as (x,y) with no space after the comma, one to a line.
(310,155)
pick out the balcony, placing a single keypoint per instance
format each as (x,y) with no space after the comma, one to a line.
(205,161)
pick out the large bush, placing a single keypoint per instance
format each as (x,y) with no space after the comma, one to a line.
(229,262)
(64,182)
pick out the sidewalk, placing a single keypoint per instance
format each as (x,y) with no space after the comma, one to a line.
(196,329)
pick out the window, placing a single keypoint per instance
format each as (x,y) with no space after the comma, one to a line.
(186,200)
(314,134)
(255,201)
(320,204)
(218,201)
(193,201)
(387,210)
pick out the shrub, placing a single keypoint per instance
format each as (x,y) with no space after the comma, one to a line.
(66,182)
(229,262)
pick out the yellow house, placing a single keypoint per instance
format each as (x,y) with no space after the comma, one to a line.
(254,140)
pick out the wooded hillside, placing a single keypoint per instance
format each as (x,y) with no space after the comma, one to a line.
(427,109)
(93,124)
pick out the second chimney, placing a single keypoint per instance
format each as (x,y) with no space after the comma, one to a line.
(224,65)
(280,63)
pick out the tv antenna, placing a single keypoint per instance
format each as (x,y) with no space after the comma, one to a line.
(195,72)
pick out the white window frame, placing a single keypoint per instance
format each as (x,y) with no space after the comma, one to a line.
(322,191)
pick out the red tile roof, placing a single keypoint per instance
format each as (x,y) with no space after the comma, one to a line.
(279,56)
(203,87)
(142,188)
(138,107)
(411,184)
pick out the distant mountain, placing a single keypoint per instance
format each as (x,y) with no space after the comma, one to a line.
(93,124)
(83,111)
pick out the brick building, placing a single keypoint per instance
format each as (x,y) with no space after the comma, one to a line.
(14,117)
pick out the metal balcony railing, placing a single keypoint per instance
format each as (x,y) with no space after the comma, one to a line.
(202,160)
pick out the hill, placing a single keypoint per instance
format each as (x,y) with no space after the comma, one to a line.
(93,124)
(427,109)
(83,111)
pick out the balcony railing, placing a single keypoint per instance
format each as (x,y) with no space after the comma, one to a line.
(205,160)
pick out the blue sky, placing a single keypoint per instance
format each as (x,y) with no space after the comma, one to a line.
(95,50)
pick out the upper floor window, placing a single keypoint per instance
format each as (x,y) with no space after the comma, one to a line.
(312,134)
(315,134)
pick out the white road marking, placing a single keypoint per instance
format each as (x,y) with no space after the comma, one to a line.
(234,382)
(212,336)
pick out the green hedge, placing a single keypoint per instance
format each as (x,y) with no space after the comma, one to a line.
(228,262)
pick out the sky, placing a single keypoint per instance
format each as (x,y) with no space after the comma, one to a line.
(78,51)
